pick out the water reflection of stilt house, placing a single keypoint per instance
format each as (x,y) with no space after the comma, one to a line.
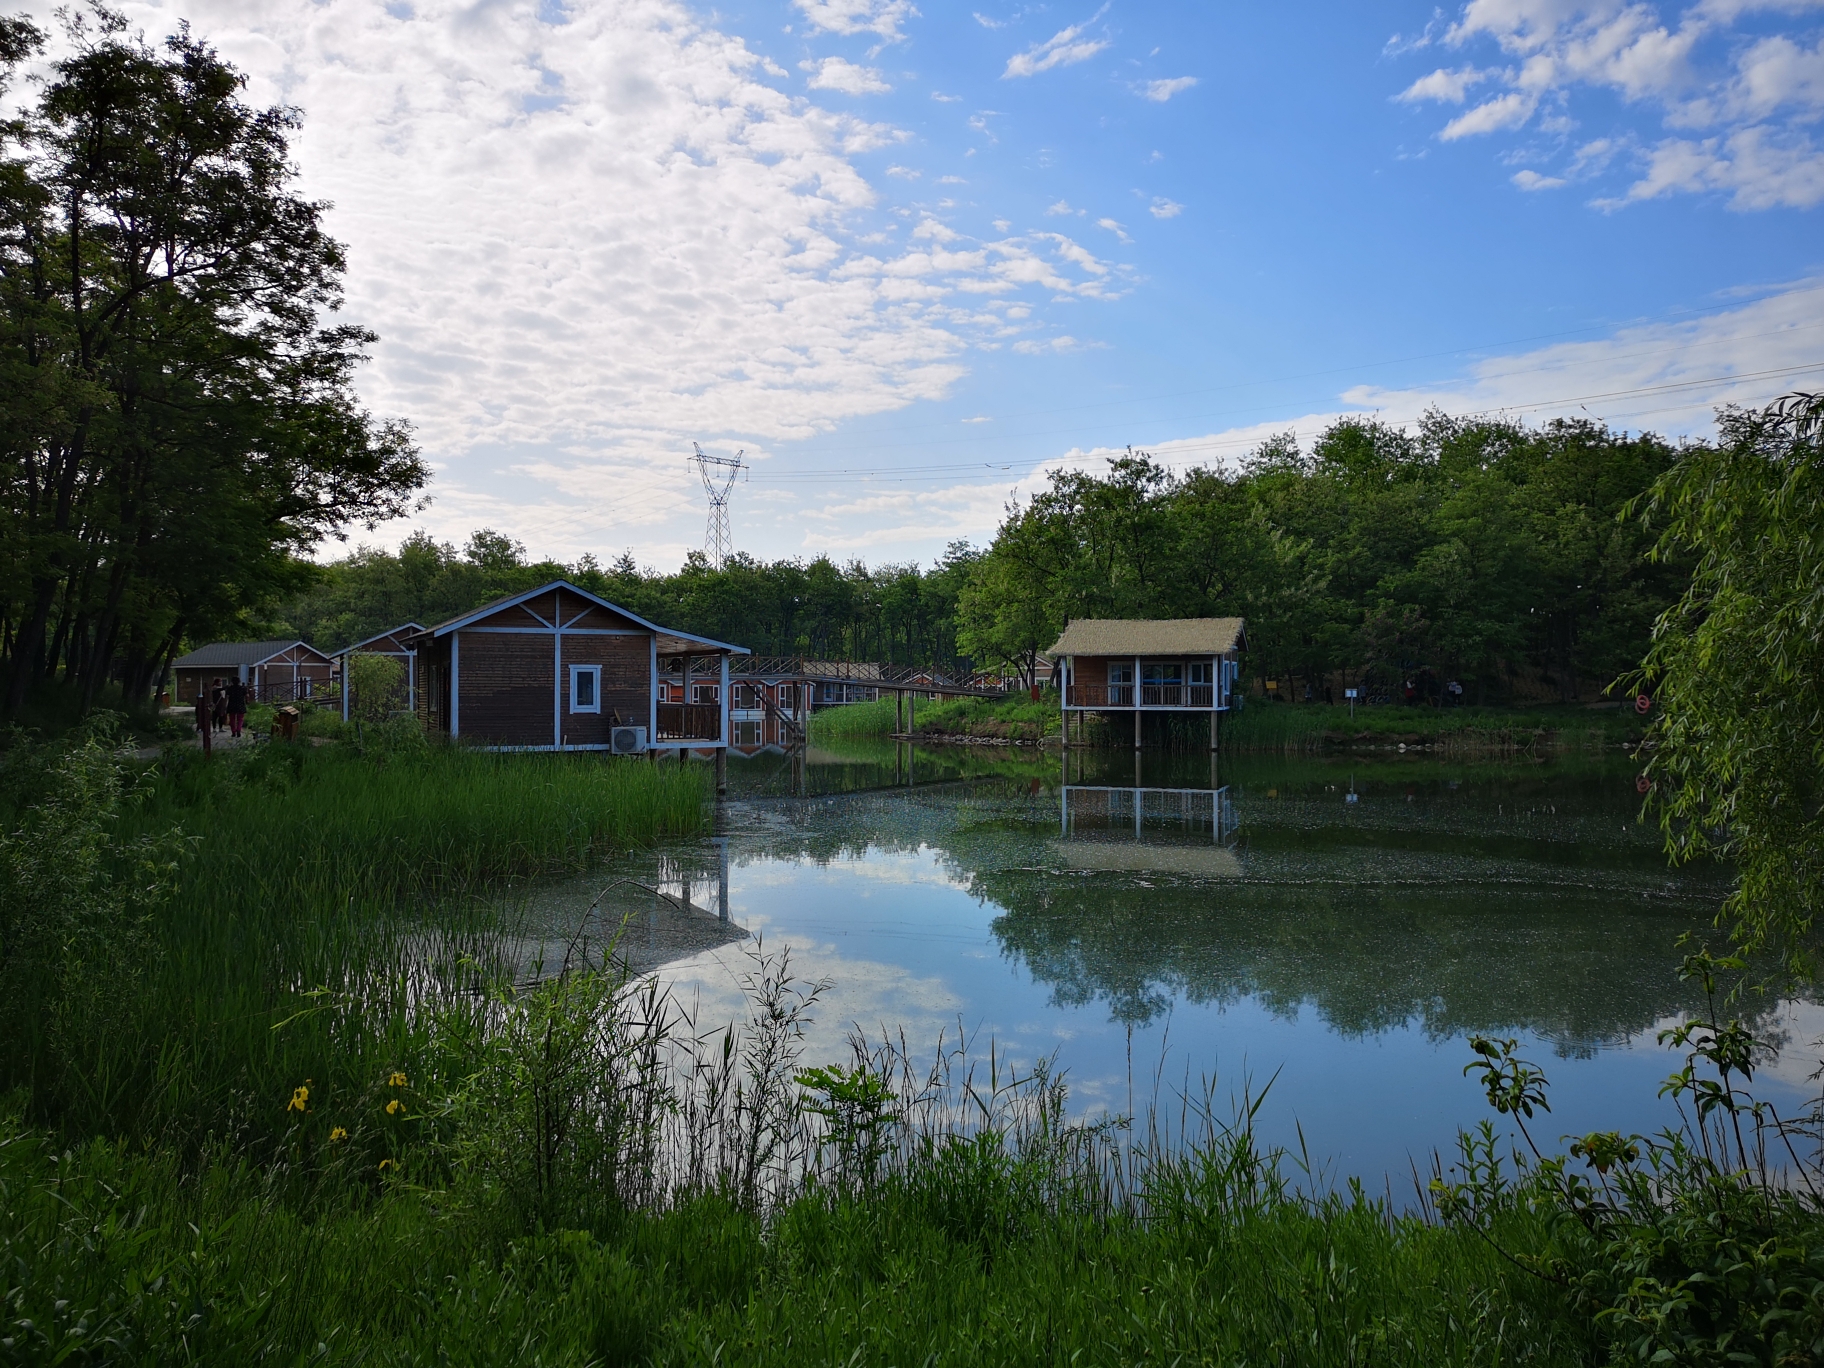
(1126,669)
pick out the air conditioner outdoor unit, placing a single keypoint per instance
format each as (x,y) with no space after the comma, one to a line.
(627,740)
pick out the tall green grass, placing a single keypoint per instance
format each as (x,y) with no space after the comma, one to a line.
(121,1257)
(321,897)
(852,721)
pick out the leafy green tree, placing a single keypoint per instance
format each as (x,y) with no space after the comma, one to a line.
(180,415)
(1737,665)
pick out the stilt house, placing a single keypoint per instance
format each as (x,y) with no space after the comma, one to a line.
(557,668)
(1141,666)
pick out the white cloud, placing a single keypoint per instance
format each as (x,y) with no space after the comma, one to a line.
(1064,48)
(1504,111)
(1755,169)
(880,17)
(567,293)
(1163,90)
(951,180)
(1032,347)
(1532,180)
(1117,229)
(833,73)
(1447,86)
(1666,376)
(942,98)
(1749,97)
(1165,208)
(1062,207)
(978,419)
(988,23)
(903,172)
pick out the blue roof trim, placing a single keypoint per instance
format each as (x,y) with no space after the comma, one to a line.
(403,629)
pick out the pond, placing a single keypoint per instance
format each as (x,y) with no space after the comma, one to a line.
(1328,930)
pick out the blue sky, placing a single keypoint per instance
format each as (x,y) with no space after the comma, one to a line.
(910,257)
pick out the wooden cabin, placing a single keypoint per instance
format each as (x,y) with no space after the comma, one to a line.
(557,668)
(392,642)
(1136,666)
(281,671)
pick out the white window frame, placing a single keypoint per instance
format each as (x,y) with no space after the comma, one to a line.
(595,673)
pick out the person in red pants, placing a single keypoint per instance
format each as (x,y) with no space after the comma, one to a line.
(237,706)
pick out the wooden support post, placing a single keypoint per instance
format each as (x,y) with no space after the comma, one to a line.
(1212,731)
(721,771)
(1136,729)
(899,710)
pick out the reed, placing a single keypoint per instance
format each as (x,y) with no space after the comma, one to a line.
(319,896)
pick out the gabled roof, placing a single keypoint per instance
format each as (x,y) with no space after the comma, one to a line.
(1149,636)
(488,609)
(221,653)
(403,629)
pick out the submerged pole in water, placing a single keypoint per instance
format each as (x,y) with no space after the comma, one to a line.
(721,844)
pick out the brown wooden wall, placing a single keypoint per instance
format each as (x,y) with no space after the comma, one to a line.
(508,682)
(506,688)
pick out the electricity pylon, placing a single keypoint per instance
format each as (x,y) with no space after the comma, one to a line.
(718,545)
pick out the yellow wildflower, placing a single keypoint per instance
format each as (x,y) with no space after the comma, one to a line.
(395,1107)
(300,1099)
(337,1133)
(397,1080)
(386,1164)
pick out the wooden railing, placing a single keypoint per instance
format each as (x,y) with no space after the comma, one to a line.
(689,722)
(1101,696)
(1151,696)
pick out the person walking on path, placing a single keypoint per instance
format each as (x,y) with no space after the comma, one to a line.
(205,718)
(218,699)
(237,707)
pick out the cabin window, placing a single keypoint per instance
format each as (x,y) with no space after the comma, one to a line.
(585,688)
(1201,672)
(747,733)
(1120,672)
(1161,672)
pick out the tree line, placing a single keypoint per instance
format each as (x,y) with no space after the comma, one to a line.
(1480,550)
(178,424)
(897,613)
(1470,548)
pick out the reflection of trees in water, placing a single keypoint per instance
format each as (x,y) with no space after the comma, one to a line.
(1532,904)
(1579,968)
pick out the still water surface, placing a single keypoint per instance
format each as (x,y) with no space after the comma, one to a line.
(1336,926)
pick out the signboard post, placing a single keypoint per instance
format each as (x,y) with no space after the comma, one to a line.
(1350,695)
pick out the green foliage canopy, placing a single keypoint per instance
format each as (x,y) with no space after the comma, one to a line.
(1737,666)
(179,420)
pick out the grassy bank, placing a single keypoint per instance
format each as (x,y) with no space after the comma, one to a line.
(1017,718)
(964,1258)
(1467,731)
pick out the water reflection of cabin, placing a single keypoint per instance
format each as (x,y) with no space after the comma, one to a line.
(1141,830)
(557,668)
(1140,666)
